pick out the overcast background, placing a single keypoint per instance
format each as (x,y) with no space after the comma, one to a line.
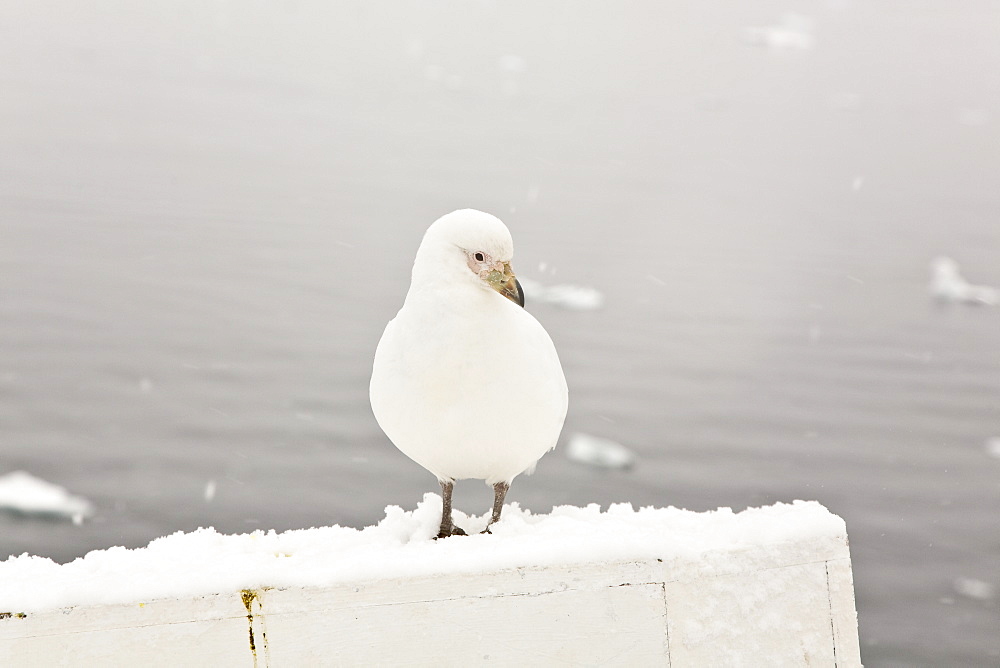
(208,212)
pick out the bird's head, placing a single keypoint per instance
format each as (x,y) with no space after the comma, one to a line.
(469,245)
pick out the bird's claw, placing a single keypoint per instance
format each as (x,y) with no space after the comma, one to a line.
(454,531)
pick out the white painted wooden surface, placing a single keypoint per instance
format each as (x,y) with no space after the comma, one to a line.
(788,605)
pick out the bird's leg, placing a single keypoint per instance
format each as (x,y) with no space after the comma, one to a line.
(448,528)
(499,492)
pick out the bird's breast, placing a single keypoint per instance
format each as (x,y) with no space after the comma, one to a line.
(482,355)
(490,385)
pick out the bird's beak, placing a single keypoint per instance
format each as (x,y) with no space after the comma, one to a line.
(503,280)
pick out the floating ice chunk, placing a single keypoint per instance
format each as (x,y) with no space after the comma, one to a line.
(573,297)
(22,492)
(973,588)
(600,452)
(792,32)
(210,488)
(993,447)
(947,284)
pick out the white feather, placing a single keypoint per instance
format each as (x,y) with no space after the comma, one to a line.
(465,382)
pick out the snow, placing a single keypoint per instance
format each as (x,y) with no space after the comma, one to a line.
(599,452)
(948,285)
(567,296)
(401,545)
(24,493)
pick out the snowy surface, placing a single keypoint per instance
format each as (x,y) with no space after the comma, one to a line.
(599,452)
(24,493)
(401,545)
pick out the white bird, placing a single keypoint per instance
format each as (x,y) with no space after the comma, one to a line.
(466,382)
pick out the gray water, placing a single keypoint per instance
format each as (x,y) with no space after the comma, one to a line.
(208,212)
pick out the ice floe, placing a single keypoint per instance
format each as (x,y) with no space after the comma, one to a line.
(948,285)
(572,297)
(979,590)
(23,493)
(599,452)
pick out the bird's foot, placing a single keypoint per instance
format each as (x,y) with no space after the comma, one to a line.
(486,530)
(450,531)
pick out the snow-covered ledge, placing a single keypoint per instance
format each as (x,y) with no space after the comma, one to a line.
(764,587)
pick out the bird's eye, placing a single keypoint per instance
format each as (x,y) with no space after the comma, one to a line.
(479,257)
